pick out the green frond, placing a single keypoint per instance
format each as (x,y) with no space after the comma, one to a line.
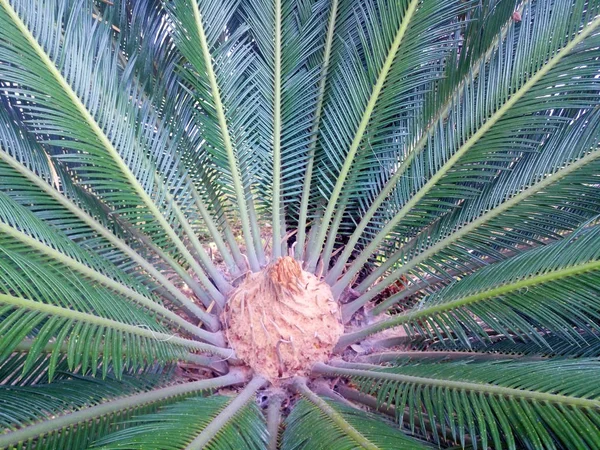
(312,427)
(220,76)
(83,416)
(554,345)
(507,108)
(505,404)
(176,426)
(549,288)
(109,155)
(552,185)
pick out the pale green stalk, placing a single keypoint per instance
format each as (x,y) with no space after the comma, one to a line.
(227,144)
(92,413)
(115,286)
(469,143)
(107,144)
(105,233)
(488,294)
(277,219)
(301,236)
(334,416)
(446,108)
(352,307)
(59,311)
(339,185)
(225,416)
(345,370)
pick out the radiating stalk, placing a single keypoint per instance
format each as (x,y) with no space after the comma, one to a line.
(274,419)
(206,216)
(334,416)
(107,144)
(498,291)
(373,403)
(410,10)
(330,242)
(218,365)
(301,236)
(469,143)
(227,144)
(112,284)
(225,416)
(315,226)
(352,307)
(276,207)
(390,357)
(233,259)
(218,278)
(443,112)
(115,406)
(104,232)
(346,370)
(114,325)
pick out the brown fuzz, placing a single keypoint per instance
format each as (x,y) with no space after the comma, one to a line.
(282,320)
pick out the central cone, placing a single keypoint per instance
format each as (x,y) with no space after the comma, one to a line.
(282,320)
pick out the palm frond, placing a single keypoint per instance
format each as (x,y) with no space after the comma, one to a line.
(98,143)
(563,170)
(549,288)
(507,109)
(317,423)
(220,76)
(90,414)
(504,404)
(213,422)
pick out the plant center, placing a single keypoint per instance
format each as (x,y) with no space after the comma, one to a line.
(282,320)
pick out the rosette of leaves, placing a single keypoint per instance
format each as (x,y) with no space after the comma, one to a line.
(435,162)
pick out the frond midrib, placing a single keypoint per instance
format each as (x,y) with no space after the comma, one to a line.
(464,148)
(334,416)
(108,282)
(485,218)
(492,292)
(364,122)
(227,143)
(227,414)
(442,113)
(105,141)
(100,229)
(342,369)
(59,311)
(114,406)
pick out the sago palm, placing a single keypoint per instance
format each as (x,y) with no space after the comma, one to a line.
(319,224)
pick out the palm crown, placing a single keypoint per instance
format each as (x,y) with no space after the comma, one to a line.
(355,224)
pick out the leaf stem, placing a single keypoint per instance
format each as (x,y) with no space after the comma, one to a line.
(366,117)
(274,418)
(443,112)
(301,236)
(346,370)
(115,406)
(352,307)
(114,325)
(107,144)
(225,416)
(333,415)
(498,291)
(112,284)
(233,166)
(469,143)
(104,232)
(277,232)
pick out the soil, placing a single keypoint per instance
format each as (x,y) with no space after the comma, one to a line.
(282,320)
